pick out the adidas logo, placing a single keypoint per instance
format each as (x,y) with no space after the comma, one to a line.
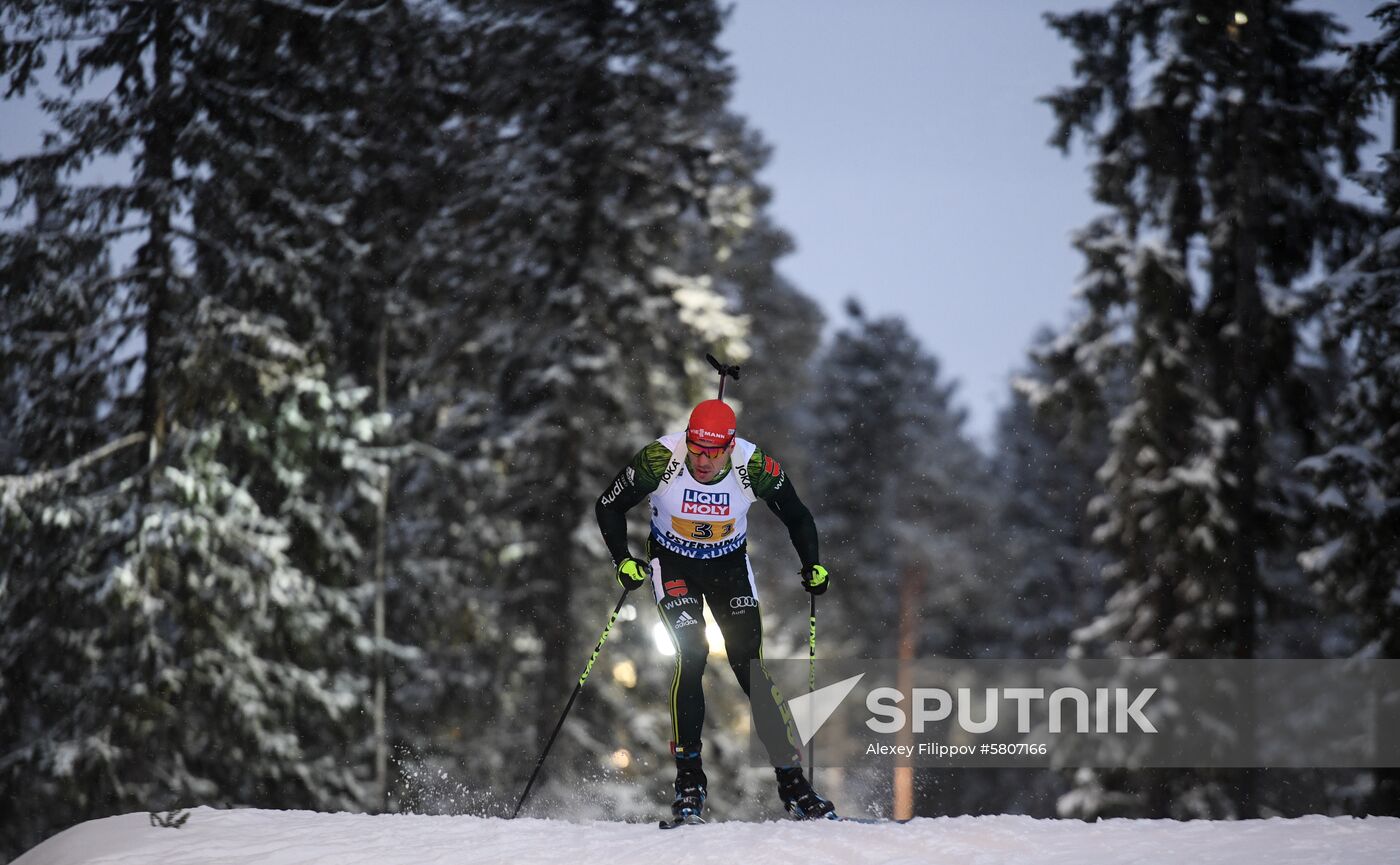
(685,619)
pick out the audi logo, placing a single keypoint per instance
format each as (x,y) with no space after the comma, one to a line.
(741,603)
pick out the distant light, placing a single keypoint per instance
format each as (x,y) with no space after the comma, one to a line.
(625,674)
(1202,19)
(662,638)
(1241,18)
(715,637)
(621,758)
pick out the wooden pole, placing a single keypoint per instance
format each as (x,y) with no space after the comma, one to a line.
(910,585)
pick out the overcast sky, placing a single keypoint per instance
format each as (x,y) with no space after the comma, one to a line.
(911,166)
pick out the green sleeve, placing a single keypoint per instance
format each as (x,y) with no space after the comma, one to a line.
(766,474)
(771,484)
(637,479)
(650,464)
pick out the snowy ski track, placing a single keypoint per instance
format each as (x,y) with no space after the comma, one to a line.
(213,837)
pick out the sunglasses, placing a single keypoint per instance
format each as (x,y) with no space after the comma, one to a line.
(699,451)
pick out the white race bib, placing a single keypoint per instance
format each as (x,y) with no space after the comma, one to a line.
(702,521)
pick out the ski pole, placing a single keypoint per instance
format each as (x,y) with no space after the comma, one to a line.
(812,682)
(574,696)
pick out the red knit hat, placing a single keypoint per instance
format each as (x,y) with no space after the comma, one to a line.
(712,424)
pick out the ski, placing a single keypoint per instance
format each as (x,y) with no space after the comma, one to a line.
(692,820)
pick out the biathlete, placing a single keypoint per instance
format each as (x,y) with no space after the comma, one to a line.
(702,483)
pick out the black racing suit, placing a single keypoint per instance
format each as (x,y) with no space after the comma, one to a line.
(726,584)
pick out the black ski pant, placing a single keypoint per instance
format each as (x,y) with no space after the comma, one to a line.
(726,584)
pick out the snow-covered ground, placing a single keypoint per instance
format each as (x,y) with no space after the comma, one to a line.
(307,838)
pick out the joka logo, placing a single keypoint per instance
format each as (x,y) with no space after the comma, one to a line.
(706,503)
(685,620)
(810,711)
(742,603)
(676,588)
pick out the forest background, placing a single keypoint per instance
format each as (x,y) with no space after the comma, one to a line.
(302,420)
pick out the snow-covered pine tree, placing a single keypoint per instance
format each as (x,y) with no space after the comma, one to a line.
(1048,562)
(597,152)
(370,111)
(55,333)
(1047,478)
(907,504)
(908,496)
(1202,121)
(1161,515)
(1077,384)
(1356,559)
(53,386)
(488,224)
(1356,477)
(201,631)
(189,641)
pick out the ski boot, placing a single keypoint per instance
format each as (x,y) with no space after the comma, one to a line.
(800,800)
(690,788)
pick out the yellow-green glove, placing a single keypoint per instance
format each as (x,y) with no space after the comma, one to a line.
(632,573)
(815,579)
